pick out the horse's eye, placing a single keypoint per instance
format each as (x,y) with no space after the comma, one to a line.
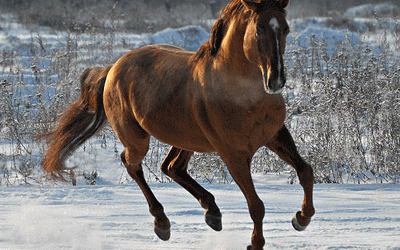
(260,30)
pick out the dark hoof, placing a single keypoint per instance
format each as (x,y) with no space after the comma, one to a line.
(213,221)
(296,222)
(162,233)
(162,230)
(251,248)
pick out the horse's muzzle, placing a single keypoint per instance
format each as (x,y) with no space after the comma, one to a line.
(275,86)
(273,83)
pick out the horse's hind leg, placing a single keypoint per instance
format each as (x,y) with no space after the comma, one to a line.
(136,142)
(161,222)
(284,146)
(175,166)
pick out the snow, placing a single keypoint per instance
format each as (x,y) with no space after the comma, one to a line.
(330,33)
(189,37)
(117,217)
(371,10)
(330,36)
(114,215)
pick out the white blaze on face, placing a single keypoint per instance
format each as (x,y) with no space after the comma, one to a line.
(273,23)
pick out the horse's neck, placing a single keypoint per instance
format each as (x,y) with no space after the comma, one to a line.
(231,56)
(230,76)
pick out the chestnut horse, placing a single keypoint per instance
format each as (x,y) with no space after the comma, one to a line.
(224,98)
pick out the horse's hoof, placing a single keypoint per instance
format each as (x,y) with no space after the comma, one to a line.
(296,224)
(162,233)
(213,221)
(251,248)
(162,228)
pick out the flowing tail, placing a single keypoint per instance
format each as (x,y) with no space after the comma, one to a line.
(78,123)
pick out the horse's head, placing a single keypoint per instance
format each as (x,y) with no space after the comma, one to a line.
(265,40)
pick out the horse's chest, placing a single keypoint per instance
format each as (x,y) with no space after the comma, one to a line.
(254,113)
(253,125)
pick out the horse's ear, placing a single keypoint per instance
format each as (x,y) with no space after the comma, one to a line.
(252,5)
(283,3)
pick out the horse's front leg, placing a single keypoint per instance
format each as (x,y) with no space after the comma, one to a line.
(284,146)
(239,168)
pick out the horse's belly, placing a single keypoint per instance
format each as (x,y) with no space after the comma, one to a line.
(183,134)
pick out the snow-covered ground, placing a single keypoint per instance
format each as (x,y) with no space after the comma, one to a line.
(113,214)
(116,217)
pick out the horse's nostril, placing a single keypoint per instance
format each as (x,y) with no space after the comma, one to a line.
(275,86)
(283,82)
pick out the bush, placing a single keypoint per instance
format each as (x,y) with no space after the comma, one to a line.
(346,111)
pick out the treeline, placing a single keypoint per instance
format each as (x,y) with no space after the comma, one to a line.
(145,15)
(128,15)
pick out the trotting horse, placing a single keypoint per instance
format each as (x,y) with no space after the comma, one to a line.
(224,98)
